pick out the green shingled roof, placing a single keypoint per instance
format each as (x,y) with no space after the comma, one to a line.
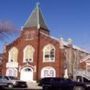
(36,19)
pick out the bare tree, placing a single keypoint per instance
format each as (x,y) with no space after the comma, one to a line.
(7,31)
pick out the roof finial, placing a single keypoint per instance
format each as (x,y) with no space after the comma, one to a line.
(38,22)
(36,19)
(37,4)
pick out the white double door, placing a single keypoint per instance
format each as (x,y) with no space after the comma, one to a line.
(26,74)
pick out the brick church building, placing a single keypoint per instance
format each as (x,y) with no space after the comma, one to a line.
(36,54)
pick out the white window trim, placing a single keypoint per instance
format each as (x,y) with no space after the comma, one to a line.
(9,55)
(49,60)
(24,59)
(47,68)
(8,73)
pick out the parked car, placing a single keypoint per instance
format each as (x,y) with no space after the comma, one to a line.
(11,82)
(60,84)
(85,81)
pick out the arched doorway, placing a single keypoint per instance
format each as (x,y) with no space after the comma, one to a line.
(26,74)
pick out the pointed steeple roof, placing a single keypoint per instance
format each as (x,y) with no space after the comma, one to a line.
(36,19)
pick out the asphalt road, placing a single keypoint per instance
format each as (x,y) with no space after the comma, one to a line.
(88,85)
(17,89)
(29,89)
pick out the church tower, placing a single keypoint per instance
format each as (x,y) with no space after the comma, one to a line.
(34,54)
(36,20)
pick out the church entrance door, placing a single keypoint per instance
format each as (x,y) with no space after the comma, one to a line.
(26,74)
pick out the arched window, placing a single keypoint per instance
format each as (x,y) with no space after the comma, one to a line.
(49,53)
(28,54)
(48,72)
(11,72)
(13,54)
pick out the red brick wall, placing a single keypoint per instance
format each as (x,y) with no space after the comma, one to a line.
(37,43)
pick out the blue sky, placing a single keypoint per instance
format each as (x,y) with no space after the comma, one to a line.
(65,18)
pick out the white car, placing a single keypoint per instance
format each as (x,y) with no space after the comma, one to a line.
(11,82)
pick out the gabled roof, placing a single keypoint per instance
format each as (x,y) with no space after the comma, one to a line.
(36,19)
(65,43)
(85,59)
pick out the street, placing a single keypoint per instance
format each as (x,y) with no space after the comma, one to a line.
(35,88)
(18,89)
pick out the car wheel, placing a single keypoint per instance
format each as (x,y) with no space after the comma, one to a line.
(78,88)
(10,86)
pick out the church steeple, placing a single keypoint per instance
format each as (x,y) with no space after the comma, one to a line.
(36,19)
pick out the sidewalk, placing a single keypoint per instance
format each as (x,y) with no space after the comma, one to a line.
(33,85)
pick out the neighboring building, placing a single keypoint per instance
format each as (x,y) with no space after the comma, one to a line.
(85,63)
(72,57)
(84,68)
(36,54)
